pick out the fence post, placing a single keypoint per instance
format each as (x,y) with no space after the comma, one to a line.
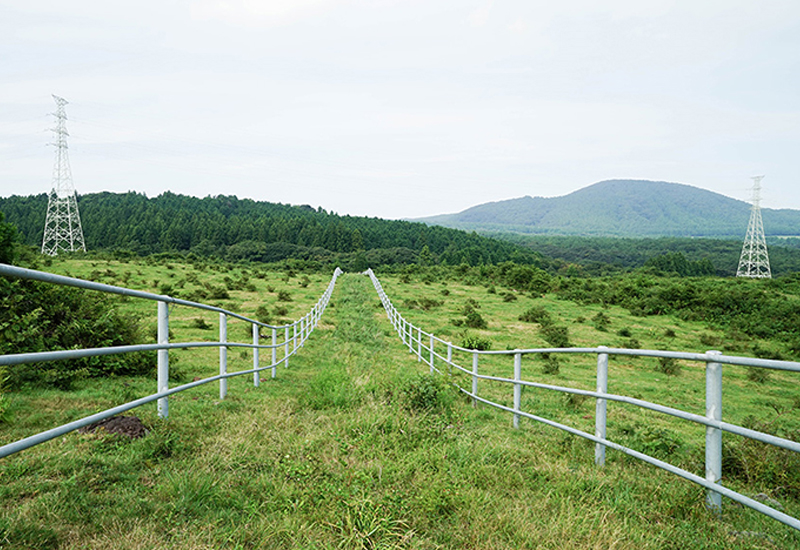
(601,406)
(274,350)
(256,374)
(431,362)
(713,435)
(419,344)
(223,354)
(517,387)
(474,378)
(449,358)
(286,347)
(163,358)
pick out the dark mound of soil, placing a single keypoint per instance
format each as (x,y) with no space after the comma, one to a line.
(129,426)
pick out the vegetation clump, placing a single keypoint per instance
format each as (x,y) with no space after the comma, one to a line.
(38,316)
(536,314)
(472,341)
(669,366)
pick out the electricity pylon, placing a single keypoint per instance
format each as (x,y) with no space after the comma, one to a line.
(754,261)
(62,226)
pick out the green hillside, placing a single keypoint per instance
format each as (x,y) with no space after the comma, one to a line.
(623,208)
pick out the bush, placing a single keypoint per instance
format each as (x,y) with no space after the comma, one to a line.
(601,321)
(509,297)
(625,332)
(473,319)
(38,316)
(284,296)
(551,364)
(200,323)
(263,314)
(536,314)
(556,335)
(474,342)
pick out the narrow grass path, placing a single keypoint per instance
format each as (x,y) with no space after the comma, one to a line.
(353,446)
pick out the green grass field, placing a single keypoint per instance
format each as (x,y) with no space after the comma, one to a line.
(355,446)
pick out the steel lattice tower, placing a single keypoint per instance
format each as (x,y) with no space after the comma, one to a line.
(62,226)
(754,261)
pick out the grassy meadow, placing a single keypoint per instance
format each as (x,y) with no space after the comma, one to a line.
(355,446)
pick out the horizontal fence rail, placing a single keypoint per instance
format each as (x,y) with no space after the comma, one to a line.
(285,339)
(423,345)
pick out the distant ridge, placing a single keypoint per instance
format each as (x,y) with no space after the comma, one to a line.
(623,208)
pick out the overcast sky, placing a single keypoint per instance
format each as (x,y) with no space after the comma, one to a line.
(402,108)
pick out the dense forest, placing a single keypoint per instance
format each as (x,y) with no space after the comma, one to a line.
(689,257)
(242,229)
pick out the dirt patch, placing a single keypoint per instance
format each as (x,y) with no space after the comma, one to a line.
(129,426)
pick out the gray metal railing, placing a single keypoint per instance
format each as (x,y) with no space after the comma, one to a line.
(294,336)
(423,344)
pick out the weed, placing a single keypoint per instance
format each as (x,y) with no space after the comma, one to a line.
(625,332)
(426,393)
(200,323)
(758,375)
(574,401)
(669,333)
(668,366)
(710,340)
(509,297)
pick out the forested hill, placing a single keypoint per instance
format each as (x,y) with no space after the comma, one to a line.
(623,208)
(235,229)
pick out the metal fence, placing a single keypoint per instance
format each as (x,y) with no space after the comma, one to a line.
(285,339)
(424,346)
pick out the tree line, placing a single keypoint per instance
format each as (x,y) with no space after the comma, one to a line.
(242,229)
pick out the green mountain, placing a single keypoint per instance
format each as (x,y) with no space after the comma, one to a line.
(623,208)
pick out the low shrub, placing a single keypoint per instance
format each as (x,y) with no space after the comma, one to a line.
(200,323)
(284,296)
(668,366)
(471,341)
(556,335)
(536,314)
(551,364)
(601,321)
(263,314)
